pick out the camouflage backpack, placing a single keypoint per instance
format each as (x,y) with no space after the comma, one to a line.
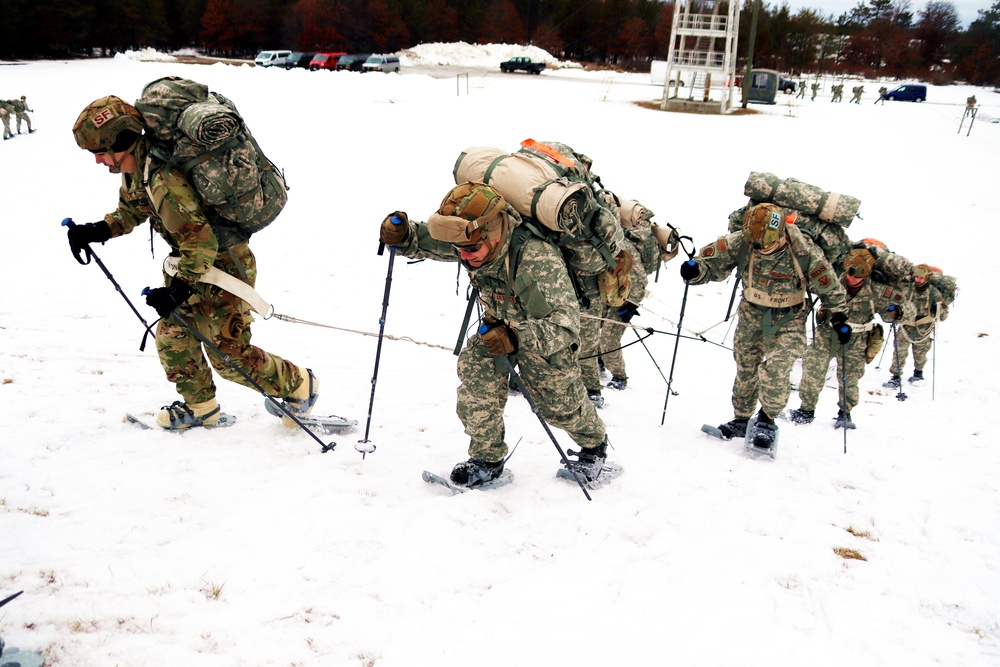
(552,184)
(203,135)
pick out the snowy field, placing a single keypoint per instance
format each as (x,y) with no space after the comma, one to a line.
(247,547)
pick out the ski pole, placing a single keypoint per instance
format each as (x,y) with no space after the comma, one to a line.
(378,349)
(643,341)
(229,362)
(885,345)
(534,408)
(677,341)
(732,299)
(843,383)
(900,396)
(68,222)
(9,598)
(933,364)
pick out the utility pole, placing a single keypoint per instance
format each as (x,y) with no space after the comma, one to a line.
(753,37)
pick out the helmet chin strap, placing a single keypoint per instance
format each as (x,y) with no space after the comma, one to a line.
(116,165)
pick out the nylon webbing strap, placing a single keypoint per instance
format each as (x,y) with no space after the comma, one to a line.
(465,323)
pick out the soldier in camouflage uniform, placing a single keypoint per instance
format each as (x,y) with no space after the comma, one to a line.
(775,263)
(112,130)
(866,297)
(5,118)
(802,89)
(531,315)
(933,293)
(858,91)
(19,108)
(815,89)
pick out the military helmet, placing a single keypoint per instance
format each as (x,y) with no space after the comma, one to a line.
(469,213)
(99,125)
(764,227)
(859,262)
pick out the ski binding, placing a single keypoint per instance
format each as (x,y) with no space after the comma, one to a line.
(748,445)
(714,431)
(505,478)
(610,471)
(328,424)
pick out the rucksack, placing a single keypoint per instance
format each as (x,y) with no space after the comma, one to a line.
(552,184)
(764,187)
(203,135)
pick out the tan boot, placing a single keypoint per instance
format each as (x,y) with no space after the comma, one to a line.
(179,415)
(300,402)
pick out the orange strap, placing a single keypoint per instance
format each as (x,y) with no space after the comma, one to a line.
(547,150)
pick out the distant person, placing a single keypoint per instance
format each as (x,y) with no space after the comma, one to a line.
(20,107)
(970,104)
(882,92)
(932,294)
(5,117)
(838,93)
(815,90)
(857,90)
(802,89)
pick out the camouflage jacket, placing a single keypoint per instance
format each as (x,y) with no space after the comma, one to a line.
(778,276)
(540,305)
(17,106)
(638,275)
(923,299)
(874,298)
(172,206)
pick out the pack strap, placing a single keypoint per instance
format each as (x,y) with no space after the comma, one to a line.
(229,283)
(473,297)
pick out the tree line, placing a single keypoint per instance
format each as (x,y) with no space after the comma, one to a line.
(875,38)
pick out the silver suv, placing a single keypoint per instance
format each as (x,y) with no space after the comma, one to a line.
(381,64)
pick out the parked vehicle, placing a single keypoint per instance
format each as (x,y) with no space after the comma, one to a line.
(381,64)
(352,62)
(271,58)
(910,92)
(299,59)
(521,63)
(763,86)
(786,85)
(326,60)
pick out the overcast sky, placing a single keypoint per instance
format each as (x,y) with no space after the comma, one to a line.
(968,10)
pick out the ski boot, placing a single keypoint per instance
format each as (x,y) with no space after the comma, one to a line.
(617,382)
(475,472)
(595,397)
(179,415)
(893,383)
(802,416)
(918,376)
(735,428)
(301,401)
(589,460)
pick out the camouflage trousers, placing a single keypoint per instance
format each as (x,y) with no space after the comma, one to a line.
(225,320)
(612,330)
(816,362)
(20,115)
(552,382)
(5,117)
(763,363)
(590,343)
(922,338)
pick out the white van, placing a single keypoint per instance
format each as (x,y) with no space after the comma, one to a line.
(381,64)
(268,58)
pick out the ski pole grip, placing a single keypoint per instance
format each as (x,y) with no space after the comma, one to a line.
(146,291)
(483,328)
(68,222)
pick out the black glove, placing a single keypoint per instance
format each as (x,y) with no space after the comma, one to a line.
(395,228)
(690,270)
(165,299)
(843,333)
(627,311)
(837,319)
(498,337)
(934,309)
(80,236)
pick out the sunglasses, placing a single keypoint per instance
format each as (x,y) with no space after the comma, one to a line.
(474,247)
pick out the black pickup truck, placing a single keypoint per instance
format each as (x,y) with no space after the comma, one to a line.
(521,62)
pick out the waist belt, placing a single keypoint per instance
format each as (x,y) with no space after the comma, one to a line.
(861,328)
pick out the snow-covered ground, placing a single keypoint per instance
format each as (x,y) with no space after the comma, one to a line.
(246,546)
